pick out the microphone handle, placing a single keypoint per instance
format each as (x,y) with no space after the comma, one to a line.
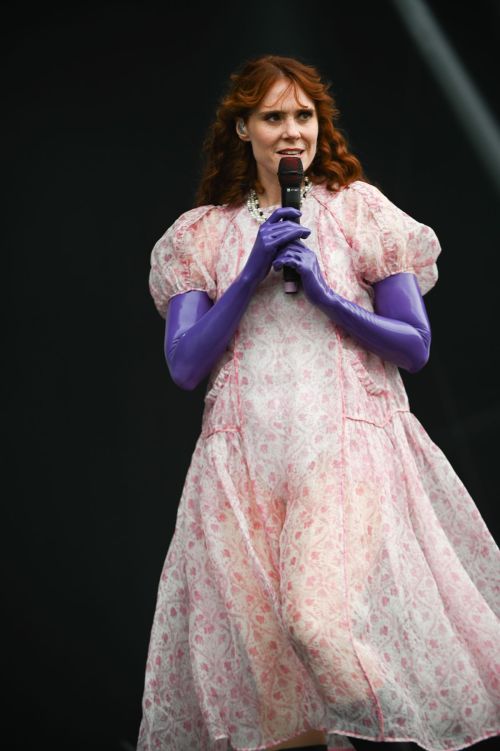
(291,277)
(291,197)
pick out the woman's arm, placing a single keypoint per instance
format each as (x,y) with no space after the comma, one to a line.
(398,330)
(197,332)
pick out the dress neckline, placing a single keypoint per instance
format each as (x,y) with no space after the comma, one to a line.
(268,210)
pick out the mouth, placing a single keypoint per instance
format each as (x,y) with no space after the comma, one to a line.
(291,152)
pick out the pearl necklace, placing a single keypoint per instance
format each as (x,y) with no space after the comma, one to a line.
(253,201)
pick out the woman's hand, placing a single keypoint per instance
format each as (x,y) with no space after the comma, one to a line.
(304,260)
(279,230)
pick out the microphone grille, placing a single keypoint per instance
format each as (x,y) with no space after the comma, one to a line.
(290,171)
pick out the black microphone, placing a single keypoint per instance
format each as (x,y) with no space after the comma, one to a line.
(290,175)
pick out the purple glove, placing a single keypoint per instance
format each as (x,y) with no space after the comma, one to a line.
(197,331)
(398,331)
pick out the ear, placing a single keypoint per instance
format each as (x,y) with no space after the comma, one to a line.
(241,129)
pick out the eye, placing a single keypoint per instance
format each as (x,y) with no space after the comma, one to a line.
(305,114)
(272,117)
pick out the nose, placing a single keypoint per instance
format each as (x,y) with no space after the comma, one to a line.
(291,128)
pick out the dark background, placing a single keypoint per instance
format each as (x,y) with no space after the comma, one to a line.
(106,105)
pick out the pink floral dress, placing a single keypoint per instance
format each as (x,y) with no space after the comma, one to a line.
(328,569)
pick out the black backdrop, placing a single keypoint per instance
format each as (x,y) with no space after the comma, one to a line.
(106,106)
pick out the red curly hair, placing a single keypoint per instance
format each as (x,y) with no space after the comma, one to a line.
(229,166)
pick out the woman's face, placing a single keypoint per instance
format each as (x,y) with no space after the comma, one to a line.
(283,124)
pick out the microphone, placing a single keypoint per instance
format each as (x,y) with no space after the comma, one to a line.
(290,175)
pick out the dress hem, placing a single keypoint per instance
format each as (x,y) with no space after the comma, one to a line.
(223,743)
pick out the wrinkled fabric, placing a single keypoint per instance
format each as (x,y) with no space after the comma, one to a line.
(328,569)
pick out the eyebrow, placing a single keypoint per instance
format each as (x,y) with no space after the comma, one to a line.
(306,108)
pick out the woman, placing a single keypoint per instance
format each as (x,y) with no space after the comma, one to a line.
(329,575)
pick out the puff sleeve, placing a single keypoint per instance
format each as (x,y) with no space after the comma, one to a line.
(386,241)
(183,258)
